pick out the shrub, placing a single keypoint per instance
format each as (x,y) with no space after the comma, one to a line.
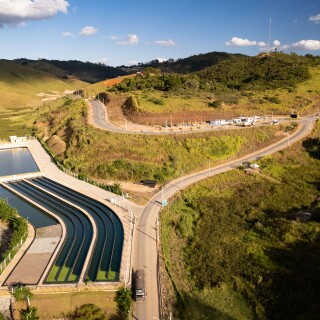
(124,302)
(87,312)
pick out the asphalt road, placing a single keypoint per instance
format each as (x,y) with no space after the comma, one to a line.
(145,240)
(146,230)
(100,120)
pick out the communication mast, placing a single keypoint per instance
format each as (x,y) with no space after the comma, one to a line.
(269,36)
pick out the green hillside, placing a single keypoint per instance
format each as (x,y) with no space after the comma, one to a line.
(264,84)
(22,90)
(193,63)
(74,69)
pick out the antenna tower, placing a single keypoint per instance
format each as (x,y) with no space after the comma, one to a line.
(269,36)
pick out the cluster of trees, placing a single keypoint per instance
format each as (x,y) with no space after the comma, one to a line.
(277,70)
(263,72)
(16,223)
(191,64)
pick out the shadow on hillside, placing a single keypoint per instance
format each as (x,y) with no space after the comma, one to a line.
(294,291)
(312,145)
(196,309)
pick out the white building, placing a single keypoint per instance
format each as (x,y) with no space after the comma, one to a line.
(15,139)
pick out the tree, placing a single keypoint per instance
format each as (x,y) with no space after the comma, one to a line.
(124,302)
(22,293)
(87,312)
(29,314)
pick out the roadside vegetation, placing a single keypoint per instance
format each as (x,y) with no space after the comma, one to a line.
(18,228)
(111,156)
(241,246)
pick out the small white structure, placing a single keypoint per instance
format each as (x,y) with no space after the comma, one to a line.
(254,166)
(219,122)
(15,139)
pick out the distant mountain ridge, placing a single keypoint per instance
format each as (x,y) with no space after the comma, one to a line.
(74,69)
(96,72)
(191,64)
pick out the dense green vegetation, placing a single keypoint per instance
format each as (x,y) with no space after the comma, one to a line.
(30,313)
(191,64)
(123,299)
(260,85)
(99,154)
(240,246)
(17,225)
(263,72)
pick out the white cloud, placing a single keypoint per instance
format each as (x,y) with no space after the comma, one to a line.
(276,43)
(305,45)
(161,60)
(302,45)
(315,18)
(133,62)
(17,11)
(67,34)
(131,39)
(88,31)
(103,61)
(165,43)
(239,42)
(114,38)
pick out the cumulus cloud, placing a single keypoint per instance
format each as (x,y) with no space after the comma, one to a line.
(161,60)
(302,45)
(315,18)
(88,31)
(305,45)
(103,61)
(133,62)
(276,43)
(67,34)
(18,11)
(130,39)
(165,43)
(239,42)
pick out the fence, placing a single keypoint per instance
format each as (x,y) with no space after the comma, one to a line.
(12,253)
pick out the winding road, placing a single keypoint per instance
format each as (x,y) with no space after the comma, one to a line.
(146,229)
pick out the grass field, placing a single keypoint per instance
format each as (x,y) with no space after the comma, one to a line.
(56,305)
(238,246)
(19,86)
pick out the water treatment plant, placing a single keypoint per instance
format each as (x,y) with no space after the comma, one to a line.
(78,238)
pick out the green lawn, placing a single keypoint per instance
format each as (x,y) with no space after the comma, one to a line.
(55,305)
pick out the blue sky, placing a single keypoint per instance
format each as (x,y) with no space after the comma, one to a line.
(127,31)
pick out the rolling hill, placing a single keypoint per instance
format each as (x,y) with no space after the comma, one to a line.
(24,87)
(73,69)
